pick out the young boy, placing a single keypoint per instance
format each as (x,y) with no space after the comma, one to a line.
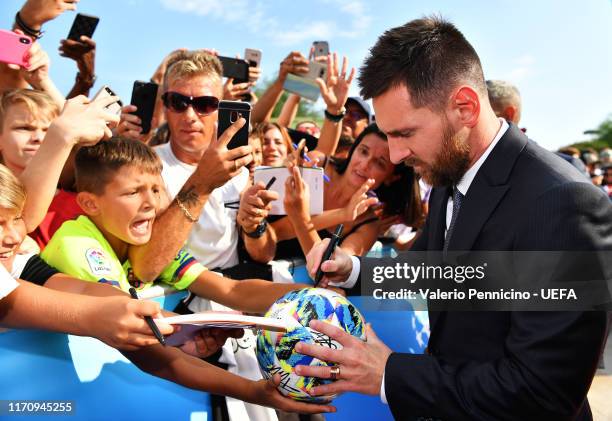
(25,118)
(120,190)
(105,313)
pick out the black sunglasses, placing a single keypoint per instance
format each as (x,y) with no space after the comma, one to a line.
(179,103)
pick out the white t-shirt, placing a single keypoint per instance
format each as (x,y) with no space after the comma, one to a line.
(214,239)
(7,282)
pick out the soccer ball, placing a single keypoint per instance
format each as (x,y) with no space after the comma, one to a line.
(275,350)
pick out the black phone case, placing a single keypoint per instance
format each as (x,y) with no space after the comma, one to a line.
(229,112)
(83,25)
(144,95)
(235,68)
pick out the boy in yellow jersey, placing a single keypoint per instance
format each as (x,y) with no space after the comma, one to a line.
(120,190)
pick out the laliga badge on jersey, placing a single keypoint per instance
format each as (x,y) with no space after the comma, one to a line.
(98,262)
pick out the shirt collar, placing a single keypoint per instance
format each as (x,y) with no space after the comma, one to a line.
(468,177)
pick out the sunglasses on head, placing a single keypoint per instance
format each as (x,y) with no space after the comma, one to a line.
(201,104)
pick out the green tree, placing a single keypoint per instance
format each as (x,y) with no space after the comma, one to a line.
(602,136)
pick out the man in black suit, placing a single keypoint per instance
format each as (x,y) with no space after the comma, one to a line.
(494,191)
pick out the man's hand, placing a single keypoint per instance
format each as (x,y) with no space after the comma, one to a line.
(36,12)
(119,322)
(254,206)
(294,63)
(85,123)
(208,341)
(130,124)
(218,164)
(254,74)
(83,52)
(335,90)
(266,393)
(361,363)
(235,91)
(337,269)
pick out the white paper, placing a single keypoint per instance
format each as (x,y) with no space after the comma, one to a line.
(313,177)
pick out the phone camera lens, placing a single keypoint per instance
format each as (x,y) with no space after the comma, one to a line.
(24,40)
(234,116)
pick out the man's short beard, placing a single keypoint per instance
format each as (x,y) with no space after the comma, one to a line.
(451,163)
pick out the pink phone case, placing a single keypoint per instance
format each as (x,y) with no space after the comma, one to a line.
(13,47)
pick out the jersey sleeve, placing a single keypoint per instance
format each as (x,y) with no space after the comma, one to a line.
(84,258)
(37,271)
(183,270)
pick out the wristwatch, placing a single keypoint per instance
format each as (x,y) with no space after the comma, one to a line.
(259,231)
(335,117)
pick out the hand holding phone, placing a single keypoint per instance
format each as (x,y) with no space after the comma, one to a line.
(144,96)
(235,68)
(83,25)
(229,113)
(320,49)
(106,92)
(14,48)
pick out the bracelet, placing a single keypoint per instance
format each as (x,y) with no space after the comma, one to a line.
(26,29)
(335,117)
(91,81)
(186,212)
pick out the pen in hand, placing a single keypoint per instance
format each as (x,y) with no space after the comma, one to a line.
(305,158)
(333,242)
(150,321)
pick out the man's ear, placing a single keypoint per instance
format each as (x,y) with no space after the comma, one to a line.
(465,103)
(89,203)
(510,113)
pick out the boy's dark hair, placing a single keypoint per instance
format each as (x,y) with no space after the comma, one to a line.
(429,56)
(96,165)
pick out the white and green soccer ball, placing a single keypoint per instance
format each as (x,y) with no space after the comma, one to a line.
(276,350)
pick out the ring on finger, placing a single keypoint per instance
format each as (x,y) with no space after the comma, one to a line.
(334,372)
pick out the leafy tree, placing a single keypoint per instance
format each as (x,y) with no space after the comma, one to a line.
(602,136)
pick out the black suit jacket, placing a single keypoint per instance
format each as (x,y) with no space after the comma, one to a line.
(509,365)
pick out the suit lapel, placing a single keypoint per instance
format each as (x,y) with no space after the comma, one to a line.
(486,191)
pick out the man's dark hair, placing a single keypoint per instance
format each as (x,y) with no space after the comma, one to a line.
(429,56)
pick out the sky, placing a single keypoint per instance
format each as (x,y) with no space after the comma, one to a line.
(558,53)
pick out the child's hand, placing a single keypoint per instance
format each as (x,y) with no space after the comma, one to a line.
(208,341)
(265,393)
(85,122)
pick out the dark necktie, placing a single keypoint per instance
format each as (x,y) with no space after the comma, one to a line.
(457,198)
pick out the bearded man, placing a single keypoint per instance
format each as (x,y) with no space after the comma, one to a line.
(494,190)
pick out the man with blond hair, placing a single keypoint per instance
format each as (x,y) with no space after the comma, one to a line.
(204,182)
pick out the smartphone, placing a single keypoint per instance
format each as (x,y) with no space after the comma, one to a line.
(321,48)
(144,95)
(229,113)
(235,68)
(83,25)
(315,70)
(14,47)
(252,56)
(105,91)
